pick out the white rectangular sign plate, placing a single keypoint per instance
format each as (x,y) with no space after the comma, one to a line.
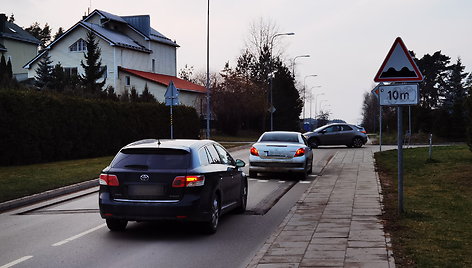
(393,95)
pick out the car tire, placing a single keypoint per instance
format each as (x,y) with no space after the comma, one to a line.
(116,225)
(357,142)
(242,199)
(313,143)
(210,227)
(252,174)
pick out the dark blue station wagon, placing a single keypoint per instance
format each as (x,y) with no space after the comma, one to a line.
(193,180)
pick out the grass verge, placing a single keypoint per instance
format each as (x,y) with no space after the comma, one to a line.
(436,228)
(20,181)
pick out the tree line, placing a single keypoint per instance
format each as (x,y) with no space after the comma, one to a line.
(445,104)
(240,95)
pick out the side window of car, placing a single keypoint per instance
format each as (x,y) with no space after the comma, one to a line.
(332,129)
(225,156)
(203,155)
(213,155)
(346,128)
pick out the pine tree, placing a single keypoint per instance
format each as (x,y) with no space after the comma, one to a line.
(133,96)
(9,70)
(42,34)
(146,96)
(59,33)
(110,94)
(58,78)
(43,73)
(455,99)
(93,70)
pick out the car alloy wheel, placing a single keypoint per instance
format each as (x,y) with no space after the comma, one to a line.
(242,199)
(211,226)
(357,142)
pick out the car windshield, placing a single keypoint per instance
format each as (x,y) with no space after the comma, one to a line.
(151,158)
(281,137)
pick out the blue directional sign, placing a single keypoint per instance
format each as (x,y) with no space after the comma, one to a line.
(172,95)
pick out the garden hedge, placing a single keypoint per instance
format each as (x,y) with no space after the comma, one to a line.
(41,127)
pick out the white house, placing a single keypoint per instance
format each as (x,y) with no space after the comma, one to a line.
(129,45)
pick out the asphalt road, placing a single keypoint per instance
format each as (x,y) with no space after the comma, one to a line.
(68,231)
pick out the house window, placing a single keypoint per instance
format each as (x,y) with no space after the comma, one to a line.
(128,80)
(153,65)
(70,71)
(80,45)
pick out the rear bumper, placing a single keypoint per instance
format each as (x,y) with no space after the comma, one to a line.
(189,208)
(273,165)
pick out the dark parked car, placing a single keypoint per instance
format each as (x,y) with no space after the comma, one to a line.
(193,180)
(337,134)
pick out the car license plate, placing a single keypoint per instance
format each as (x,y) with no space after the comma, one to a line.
(145,190)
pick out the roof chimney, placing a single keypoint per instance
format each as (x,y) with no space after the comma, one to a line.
(3,19)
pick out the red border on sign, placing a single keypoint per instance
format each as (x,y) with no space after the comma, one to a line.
(419,77)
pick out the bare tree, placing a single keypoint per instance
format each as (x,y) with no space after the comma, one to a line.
(260,35)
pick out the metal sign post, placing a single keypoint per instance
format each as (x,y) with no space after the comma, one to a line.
(172,98)
(400,156)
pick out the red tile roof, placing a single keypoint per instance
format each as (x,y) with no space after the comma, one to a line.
(165,80)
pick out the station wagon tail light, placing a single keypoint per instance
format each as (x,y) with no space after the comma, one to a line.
(300,152)
(363,131)
(110,180)
(188,181)
(254,151)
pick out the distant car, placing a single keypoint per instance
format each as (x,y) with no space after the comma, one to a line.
(337,134)
(192,180)
(281,152)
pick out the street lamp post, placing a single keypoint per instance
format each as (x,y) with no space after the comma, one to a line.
(208,73)
(304,95)
(271,108)
(316,102)
(293,62)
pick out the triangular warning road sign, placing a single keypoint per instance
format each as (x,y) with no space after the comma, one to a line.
(398,66)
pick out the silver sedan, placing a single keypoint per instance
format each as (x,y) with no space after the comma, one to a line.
(281,151)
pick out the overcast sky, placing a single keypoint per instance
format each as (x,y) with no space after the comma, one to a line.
(347,39)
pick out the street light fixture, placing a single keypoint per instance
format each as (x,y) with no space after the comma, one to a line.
(293,62)
(304,95)
(271,108)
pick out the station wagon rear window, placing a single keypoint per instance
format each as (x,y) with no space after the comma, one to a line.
(151,158)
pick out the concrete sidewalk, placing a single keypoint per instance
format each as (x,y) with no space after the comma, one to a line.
(336,222)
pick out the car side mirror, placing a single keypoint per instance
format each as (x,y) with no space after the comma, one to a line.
(240,163)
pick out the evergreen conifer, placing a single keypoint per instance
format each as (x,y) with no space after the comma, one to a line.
(93,70)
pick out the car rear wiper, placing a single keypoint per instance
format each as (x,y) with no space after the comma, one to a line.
(137,166)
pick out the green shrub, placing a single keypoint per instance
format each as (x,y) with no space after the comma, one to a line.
(41,127)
